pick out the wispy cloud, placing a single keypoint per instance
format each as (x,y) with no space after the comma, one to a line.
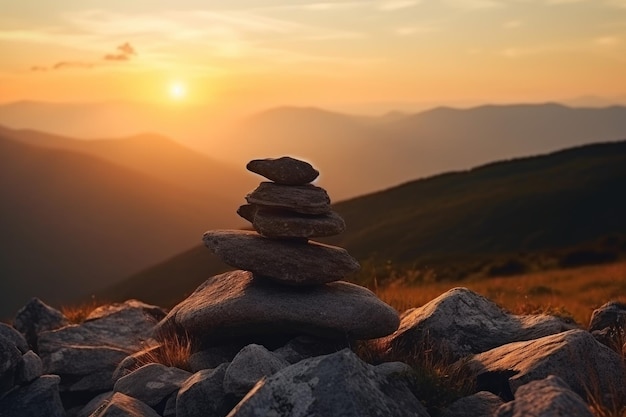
(124,53)
(607,41)
(475,4)
(416,30)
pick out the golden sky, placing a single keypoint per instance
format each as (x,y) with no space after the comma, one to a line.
(306,52)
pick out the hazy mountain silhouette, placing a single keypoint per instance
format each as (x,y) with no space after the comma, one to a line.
(72,222)
(358,155)
(532,204)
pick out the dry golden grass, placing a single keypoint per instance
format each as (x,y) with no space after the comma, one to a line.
(572,292)
(77,313)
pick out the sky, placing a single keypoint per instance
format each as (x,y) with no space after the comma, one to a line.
(272,52)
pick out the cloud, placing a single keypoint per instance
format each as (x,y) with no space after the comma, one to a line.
(72,64)
(38,68)
(126,51)
(415,30)
(474,4)
(607,40)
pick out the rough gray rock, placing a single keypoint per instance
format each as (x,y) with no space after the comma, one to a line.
(305,199)
(121,405)
(29,368)
(339,384)
(238,304)
(203,395)
(37,399)
(545,398)
(247,211)
(461,322)
(36,317)
(283,224)
(15,337)
(481,404)
(135,361)
(574,356)
(611,315)
(10,357)
(284,261)
(152,383)
(212,357)
(304,347)
(86,355)
(252,363)
(284,170)
(95,403)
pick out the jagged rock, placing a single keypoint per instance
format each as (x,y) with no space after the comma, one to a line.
(237,304)
(609,315)
(203,395)
(86,355)
(545,398)
(461,322)
(305,199)
(339,384)
(212,357)
(574,356)
(481,404)
(36,317)
(135,361)
(283,224)
(152,383)
(121,405)
(29,368)
(10,357)
(284,261)
(14,337)
(304,347)
(251,364)
(37,399)
(284,170)
(99,401)
(247,211)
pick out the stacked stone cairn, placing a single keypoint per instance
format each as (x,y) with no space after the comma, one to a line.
(286,285)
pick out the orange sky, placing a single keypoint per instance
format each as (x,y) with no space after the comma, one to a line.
(272,52)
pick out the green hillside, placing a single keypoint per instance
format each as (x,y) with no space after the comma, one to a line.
(457,223)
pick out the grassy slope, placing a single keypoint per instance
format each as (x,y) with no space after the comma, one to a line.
(528,204)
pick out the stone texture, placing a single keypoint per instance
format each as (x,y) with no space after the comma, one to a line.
(304,347)
(10,357)
(251,364)
(121,405)
(305,199)
(212,357)
(29,368)
(574,356)
(339,384)
(86,355)
(288,262)
(152,383)
(15,337)
(36,317)
(95,403)
(461,322)
(282,224)
(481,404)
(247,211)
(203,395)
(135,361)
(285,170)
(609,315)
(37,399)
(545,398)
(238,304)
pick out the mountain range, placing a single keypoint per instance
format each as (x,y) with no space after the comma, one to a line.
(440,224)
(83,214)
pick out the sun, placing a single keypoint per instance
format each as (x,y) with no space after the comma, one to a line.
(177,90)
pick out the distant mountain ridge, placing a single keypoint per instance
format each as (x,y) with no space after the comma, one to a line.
(529,204)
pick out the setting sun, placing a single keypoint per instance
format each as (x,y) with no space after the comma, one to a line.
(177,90)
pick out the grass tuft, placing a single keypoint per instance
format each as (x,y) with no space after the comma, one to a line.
(173,350)
(76,314)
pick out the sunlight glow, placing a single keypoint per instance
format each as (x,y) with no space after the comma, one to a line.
(177,90)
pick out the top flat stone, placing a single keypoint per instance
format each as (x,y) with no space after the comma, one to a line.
(285,170)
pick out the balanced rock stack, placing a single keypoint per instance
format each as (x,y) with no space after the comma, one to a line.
(287,284)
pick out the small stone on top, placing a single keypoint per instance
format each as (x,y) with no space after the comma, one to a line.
(285,170)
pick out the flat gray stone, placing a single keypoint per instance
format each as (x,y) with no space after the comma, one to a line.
(296,263)
(152,383)
(236,304)
(284,224)
(461,322)
(574,356)
(37,399)
(339,384)
(252,363)
(285,170)
(545,398)
(121,405)
(305,199)
(247,211)
(30,368)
